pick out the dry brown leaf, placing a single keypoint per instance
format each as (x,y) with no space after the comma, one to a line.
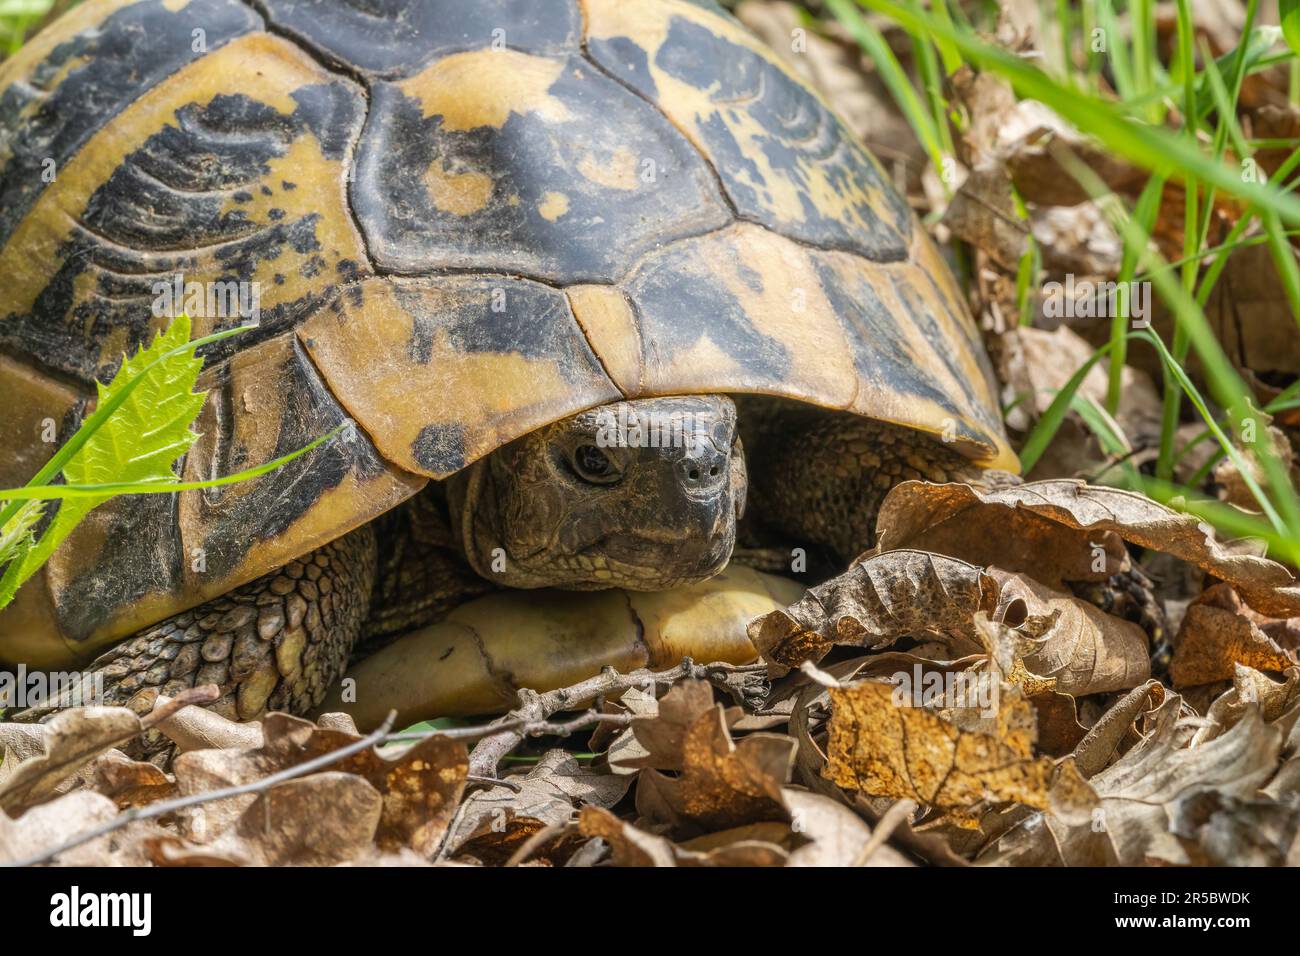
(72,739)
(1166,803)
(1080,648)
(632,846)
(988,102)
(320,820)
(420,787)
(983,213)
(622,748)
(17,743)
(881,747)
(1059,730)
(717,783)
(918,511)
(51,823)
(837,836)
(1250,690)
(494,822)
(1040,179)
(663,738)
(1015,133)
(1230,484)
(629,846)
(951,519)
(170,850)
(1037,363)
(1251,315)
(127,782)
(1218,633)
(879,599)
(721,783)
(1103,739)
(1078,240)
(198,728)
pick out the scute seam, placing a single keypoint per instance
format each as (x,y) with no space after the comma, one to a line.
(346,72)
(591,346)
(906,255)
(708,163)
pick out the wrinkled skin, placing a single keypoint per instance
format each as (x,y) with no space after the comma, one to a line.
(642,495)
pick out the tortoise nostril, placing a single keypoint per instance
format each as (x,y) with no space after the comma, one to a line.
(694,474)
(713,472)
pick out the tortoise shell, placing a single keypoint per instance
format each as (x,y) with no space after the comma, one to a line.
(463,221)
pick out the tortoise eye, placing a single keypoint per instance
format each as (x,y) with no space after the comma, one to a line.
(593,465)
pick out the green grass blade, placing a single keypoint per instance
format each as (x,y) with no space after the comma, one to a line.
(1152,148)
(1049,423)
(1289,13)
(56,492)
(894,78)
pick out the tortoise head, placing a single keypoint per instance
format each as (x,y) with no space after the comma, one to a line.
(642,495)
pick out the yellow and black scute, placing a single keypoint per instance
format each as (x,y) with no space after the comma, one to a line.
(462,221)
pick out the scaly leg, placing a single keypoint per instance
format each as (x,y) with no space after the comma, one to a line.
(276,643)
(282,641)
(819,477)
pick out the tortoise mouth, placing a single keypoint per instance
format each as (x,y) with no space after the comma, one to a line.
(635,563)
(651,562)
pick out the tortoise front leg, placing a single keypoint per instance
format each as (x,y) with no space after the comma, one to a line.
(276,643)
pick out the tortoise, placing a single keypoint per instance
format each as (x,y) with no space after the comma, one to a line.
(602,285)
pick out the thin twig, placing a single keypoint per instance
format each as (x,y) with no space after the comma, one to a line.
(164,807)
(884,828)
(534,709)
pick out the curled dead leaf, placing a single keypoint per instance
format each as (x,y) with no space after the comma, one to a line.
(494,822)
(1250,690)
(916,511)
(129,783)
(632,846)
(881,598)
(1220,632)
(719,783)
(1080,648)
(1167,803)
(72,738)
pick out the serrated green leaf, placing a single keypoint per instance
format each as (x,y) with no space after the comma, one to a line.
(16,537)
(140,442)
(1289,11)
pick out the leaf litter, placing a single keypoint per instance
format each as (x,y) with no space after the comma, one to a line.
(981,689)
